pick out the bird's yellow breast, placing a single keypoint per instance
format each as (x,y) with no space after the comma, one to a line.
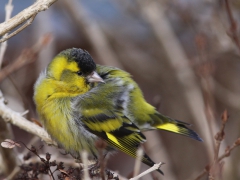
(53,100)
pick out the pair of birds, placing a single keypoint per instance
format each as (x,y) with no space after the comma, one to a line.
(79,102)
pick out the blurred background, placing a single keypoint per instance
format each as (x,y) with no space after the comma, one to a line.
(180,52)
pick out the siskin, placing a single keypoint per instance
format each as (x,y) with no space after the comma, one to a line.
(79,102)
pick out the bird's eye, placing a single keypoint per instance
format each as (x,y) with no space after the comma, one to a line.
(79,73)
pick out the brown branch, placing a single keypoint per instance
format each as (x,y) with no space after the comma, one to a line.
(228,150)
(233,25)
(227,153)
(26,14)
(220,135)
(214,168)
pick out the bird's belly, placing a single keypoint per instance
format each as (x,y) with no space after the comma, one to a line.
(70,135)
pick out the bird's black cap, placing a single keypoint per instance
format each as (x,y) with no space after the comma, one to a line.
(83,58)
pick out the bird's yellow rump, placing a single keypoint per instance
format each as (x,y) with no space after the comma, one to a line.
(80,102)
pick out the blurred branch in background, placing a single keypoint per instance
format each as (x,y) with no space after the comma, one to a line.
(154,15)
(8,160)
(233,30)
(92,32)
(26,57)
(156,149)
(215,169)
(230,98)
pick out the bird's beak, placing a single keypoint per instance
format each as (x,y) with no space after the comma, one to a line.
(94,77)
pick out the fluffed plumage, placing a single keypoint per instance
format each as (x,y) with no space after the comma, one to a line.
(80,102)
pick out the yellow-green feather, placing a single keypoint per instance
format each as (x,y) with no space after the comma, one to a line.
(106,126)
(53,93)
(142,113)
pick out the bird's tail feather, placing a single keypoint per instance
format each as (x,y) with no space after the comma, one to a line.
(175,126)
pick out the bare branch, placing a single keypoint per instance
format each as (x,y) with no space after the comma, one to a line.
(8,160)
(215,167)
(16,119)
(26,14)
(153,168)
(229,150)
(29,22)
(8,8)
(227,153)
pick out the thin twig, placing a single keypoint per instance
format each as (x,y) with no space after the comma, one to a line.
(153,168)
(227,153)
(203,173)
(233,25)
(35,159)
(26,14)
(215,167)
(8,9)
(28,23)
(34,151)
(229,150)
(17,169)
(220,135)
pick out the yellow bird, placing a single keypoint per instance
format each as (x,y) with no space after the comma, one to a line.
(79,102)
